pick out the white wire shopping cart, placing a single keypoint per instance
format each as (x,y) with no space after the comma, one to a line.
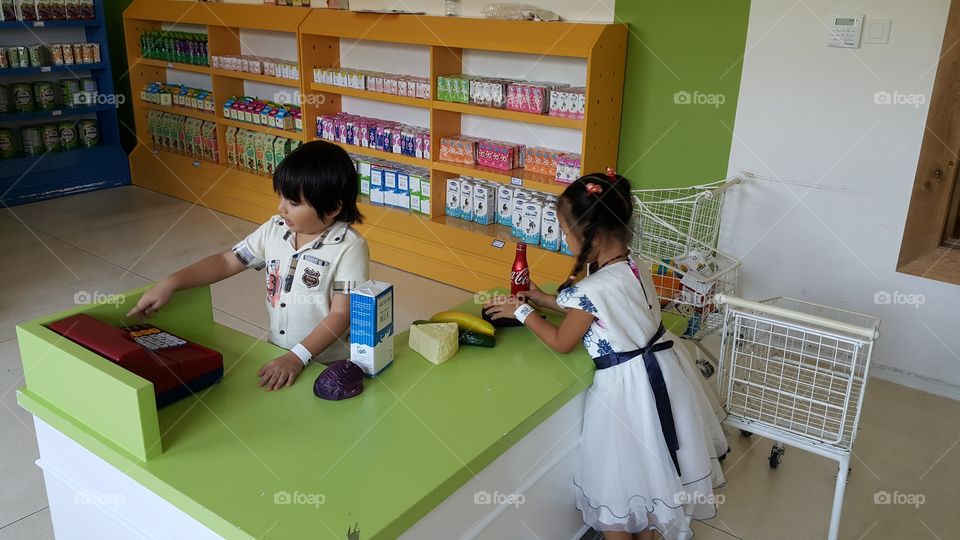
(796,372)
(676,231)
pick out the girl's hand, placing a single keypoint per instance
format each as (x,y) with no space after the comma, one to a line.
(534,295)
(153,300)
(280,372)
(502,307)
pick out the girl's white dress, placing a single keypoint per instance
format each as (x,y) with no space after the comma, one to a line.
(627,479)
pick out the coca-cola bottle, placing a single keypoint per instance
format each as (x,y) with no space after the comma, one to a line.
(520,272)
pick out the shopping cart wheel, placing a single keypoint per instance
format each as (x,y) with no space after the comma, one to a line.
(745,433)
(776,455)
(706,368)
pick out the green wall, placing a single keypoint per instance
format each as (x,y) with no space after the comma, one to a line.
(692,46)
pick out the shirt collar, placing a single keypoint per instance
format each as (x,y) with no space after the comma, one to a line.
(334,234)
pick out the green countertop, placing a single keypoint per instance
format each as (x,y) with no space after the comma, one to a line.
(383,459)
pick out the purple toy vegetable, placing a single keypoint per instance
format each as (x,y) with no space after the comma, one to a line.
(341,380)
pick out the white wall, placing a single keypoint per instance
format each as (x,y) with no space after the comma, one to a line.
(821,217)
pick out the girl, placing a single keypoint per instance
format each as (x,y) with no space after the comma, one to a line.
(649,456)
(312,256)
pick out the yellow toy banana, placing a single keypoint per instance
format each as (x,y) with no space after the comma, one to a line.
(465,321)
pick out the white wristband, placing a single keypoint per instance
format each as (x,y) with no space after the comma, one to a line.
(302,353)
(523,312)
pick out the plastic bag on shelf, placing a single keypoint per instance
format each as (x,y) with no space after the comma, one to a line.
(526,12)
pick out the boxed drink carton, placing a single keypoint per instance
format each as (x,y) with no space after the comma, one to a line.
(266,141)
(390,187)
(453,197)
(516,214)
(208,134)
(363,171)
(504,211)
(376,185)
(466,199)
(371,326)
(281,148)
(425,196)
(550,228)
(402,193)
(231,138)
(250,152)
(484,204)
(531,221)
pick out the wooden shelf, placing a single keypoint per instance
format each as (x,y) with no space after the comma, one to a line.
(255,77)
(380,154)
(365,94)
(263,129)
(251,16)
(506,114)
(495,232)
(192,113)
(170,65)
(531,180)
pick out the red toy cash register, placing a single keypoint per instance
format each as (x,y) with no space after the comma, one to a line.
(176,367)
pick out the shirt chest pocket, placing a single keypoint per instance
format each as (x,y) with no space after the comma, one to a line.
(311,272)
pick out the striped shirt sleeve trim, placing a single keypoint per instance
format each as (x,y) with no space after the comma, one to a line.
(246,257)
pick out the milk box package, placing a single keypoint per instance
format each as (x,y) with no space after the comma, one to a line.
(516,215)
(564,248)
(531,221)
(413,182)
(484,204)
(403,191)
(425,196)
(389,187)
(550,228)
(376,185)
(505,205)
(466,199)
(371,326)
(453,197)
(363,171)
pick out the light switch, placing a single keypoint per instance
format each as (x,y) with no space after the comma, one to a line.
(877,31)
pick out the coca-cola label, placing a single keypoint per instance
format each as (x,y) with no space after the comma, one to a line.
(520,278)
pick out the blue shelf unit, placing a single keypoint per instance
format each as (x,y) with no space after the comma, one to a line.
(25,178)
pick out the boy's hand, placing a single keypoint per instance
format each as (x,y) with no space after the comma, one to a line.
(280,372)
(153,300)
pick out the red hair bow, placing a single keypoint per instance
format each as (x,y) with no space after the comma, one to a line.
(612,174)
(593,189)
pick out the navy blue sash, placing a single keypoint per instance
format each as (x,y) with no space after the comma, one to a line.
(657,384)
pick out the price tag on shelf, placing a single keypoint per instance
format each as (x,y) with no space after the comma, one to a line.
(38,24)
(45,69)
(196,163)
(498,244)
(57,113)
(170,65)
(154,151)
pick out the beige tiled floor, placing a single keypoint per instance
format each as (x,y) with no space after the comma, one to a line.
(113,240)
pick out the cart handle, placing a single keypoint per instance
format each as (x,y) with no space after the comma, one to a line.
(726,185)
(866,333)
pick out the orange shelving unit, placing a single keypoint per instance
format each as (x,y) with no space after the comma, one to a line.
(452,251)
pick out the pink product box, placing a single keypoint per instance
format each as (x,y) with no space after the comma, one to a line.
(568,102)
(528,98)
(496,154)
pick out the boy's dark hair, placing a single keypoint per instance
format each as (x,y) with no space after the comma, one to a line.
(595,202)
(323,175)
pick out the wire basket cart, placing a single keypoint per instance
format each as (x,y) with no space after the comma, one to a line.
(796,372)
(676,231)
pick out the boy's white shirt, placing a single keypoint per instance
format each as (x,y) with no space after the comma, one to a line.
(334,263)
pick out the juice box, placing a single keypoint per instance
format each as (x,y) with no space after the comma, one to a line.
(376,185)
(250,152)
(208,134)
(425,196)
(371,326)
(516,213)
(231,138)
(413,183)
(265,150)
(531,221)
(363,171)
(280,149)
(402,193)
(390,187)
(550,228)
(466,199)
(504,211)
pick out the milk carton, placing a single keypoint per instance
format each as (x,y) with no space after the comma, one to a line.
(402,193)
(413,183)
(363,171)
(550,228)
(504,211)
(516,213)
(389,187)
(231,136)
(280,148)
(466,199)
(484,204)
(425,208)
(453,197)
(371,326)
(531,221)
(564,248)
(376,185)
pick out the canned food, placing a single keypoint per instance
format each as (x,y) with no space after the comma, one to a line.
(45,95)
(50,137)
(56,53)
(38,55)
(68,135)
(22,97)
(96,52)
(30,139)
(8,148)
(67,50)
(69,88)
(4,99)
(87,53)
(89,133)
